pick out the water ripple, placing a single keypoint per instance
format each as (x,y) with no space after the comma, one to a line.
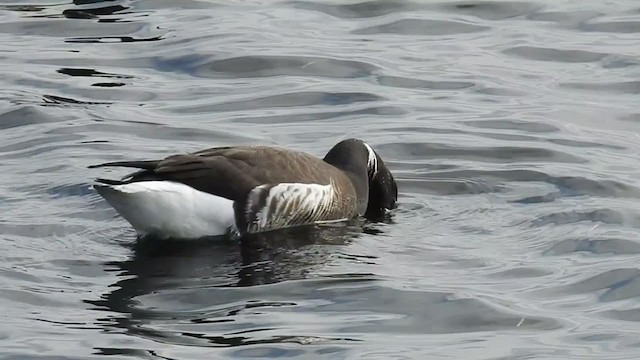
(264,66)
(421,27)
(548,54)
(511,127)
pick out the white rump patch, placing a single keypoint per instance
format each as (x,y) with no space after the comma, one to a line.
(170,209)
(372,161)
(293,204)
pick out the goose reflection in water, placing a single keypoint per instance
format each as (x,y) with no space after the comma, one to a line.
(199,284)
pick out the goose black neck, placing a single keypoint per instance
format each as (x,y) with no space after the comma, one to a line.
(351,157)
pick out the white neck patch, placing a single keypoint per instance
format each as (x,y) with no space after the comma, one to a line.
(372,161)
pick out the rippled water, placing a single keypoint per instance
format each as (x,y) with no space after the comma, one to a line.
(512,128)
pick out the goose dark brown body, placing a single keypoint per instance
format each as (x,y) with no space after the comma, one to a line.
(351,180)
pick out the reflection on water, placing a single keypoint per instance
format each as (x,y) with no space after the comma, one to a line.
(511,127)
(179,273)
(208,293)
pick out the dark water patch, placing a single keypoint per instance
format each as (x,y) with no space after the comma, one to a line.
(78,14)
(620,27)
(91,2)
(520,273)
(584,144)
(76,29)
(61,100)
(539,199)
(94,12)
(95,142)
(506,137)
(297,99)
(447,187)
(20,274)
(620,62)
(128,64)
(184,5)
(23,116)
(365,9)
(106,11)
(91,73)
(41,230)
(594,246)
(607,216)
(489,135)
(76,147)
(182,63)
(67,324)
(412,83)
(41,299)
(554,55)
(437,313)
(114,128)
(25,356)
(106,95)
(599,337)
(382,111)
(271,352)
(568,185)
(520,125)
(613,285)
(622,87)
(416,167)
(108,84)
(45,141)
(112,39)
(23,8)
(268,66)
(570,19)
(425,27)
(579,186)
(497,154)
(51,169)
(490,10)
(129,352)
(630,117)
(495,91)
(89,270)
(624,315)
(87,14)
(423,129)
(363,259)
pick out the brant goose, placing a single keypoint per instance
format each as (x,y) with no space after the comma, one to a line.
(239,190)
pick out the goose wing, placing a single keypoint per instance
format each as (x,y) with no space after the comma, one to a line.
(271,187)
(231,172)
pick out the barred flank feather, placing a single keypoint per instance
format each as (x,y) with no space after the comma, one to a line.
(290,204)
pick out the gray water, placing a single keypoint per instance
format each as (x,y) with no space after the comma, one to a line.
(512,128)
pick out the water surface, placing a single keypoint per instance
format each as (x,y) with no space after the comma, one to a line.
(512,128)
